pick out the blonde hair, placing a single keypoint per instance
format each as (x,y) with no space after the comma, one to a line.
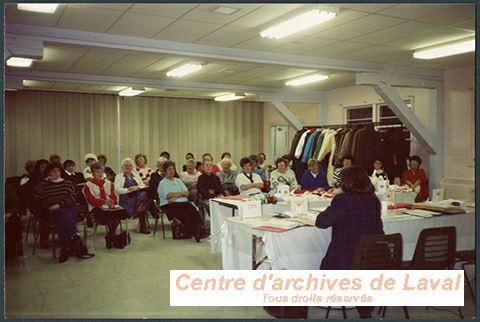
(225,161)
(311,162)
(127,161)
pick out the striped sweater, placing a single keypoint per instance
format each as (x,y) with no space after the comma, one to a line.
(50,193)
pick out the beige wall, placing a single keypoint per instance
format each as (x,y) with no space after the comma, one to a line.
(459,123)
(40,123)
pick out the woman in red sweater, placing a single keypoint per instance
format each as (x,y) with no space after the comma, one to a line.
(103,203)
(416,178)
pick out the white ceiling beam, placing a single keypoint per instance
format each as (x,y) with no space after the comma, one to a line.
(85,38)
(394,80)
(23,47)
(263,93)
(287,114)
(408,118)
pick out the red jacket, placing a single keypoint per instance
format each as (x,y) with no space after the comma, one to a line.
(96,192)
(420,174)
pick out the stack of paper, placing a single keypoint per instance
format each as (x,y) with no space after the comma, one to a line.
(421,213)
(279,223)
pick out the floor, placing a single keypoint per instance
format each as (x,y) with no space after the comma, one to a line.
(134,283)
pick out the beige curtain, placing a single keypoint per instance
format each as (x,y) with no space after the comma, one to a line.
(38,124)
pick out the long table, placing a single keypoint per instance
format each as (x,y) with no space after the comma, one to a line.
(244,247)
(221,209)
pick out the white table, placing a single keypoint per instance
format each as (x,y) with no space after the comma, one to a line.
(220,209)
(305,247)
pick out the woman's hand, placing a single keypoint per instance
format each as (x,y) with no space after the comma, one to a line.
(54,207)
(133,188)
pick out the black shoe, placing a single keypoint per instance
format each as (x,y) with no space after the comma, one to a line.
(64,255)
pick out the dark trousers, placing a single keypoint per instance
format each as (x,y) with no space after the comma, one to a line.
(109,218)
(65,223)
(187,214)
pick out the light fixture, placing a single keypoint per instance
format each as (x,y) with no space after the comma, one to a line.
(225,10)
(459,47)
(230,97)
(38,7)
(306,80)
(19,62)
(298,23)
(132,91)
(184,70)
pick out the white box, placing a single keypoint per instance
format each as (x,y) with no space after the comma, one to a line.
(250,209)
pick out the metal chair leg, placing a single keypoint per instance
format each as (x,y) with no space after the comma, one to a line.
(53,243)
(163,225)
(405,311)
(328,312)
(344,313)
(460,312)
(36,236)
(95,236)
(29,224)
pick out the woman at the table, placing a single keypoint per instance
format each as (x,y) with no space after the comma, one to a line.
(353,212)
(416,178)
(247,182)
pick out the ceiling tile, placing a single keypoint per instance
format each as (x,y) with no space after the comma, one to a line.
(455,14)
(303,45)
(336,49)
(99,20)
(430,38)
(59,58)
(396,32)
(365,53)
(413,11)
(130,64)
(360,27)
(96,60)
(370,8)
(227,36)
(139,25)
(162,9)
(204,12)
(12,15)
(187,31)
(264,14)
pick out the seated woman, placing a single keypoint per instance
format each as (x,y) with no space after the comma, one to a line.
(103,203)
(346,161)
(129,186)
(282,176)
(102,158)
(58,199)
(314,178)
(416,178)
(352,213)
(143,171)
(209,187)
(78,181)
(208,157)
(378,170)
(247,182)
(190,156)
(227,178)
(190,179)
(173,201)
(227,155)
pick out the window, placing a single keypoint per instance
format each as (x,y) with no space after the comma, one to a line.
(360,114)
(378,113)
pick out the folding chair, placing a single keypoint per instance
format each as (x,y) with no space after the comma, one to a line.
(160,216)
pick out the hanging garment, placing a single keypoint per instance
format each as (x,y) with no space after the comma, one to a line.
(309,134)
(301,143)
(295,141)
(308,146)
(319,144)
(328,147)
(315,143)
(368,147)
(346,144)
(338,143)
(396,151)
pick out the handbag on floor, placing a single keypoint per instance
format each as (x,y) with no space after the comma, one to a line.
(121,239)
(178,231)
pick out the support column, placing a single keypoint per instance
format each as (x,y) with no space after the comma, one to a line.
(436,161)
(119,135)
(287,115)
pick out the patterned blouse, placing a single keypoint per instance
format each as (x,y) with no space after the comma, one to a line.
(144,173)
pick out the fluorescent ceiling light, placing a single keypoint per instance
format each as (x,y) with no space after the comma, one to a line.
(132,91)
(38,7)
(184,70)
(306,80)
(309,19)
(225,10)
(456,48)
(230,97)
(19,62)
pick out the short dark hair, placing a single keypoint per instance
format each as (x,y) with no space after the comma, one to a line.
(168,164)
(165,154)
(224,154)
(415,158)
(205,154)
(347,157)
(102,156)
(287,157)
(138,156)
(355,179)
(244,161)
(38,163)
(253,157)
(29,164)
(281,160)
(68,163)
(53,165)
(189,154)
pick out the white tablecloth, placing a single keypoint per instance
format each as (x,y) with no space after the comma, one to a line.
(305,247)
(219,210)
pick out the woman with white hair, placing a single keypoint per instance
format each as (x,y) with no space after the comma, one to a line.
(227,177)
(130,187)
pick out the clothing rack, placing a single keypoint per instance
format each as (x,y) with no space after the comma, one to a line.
(342,125)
